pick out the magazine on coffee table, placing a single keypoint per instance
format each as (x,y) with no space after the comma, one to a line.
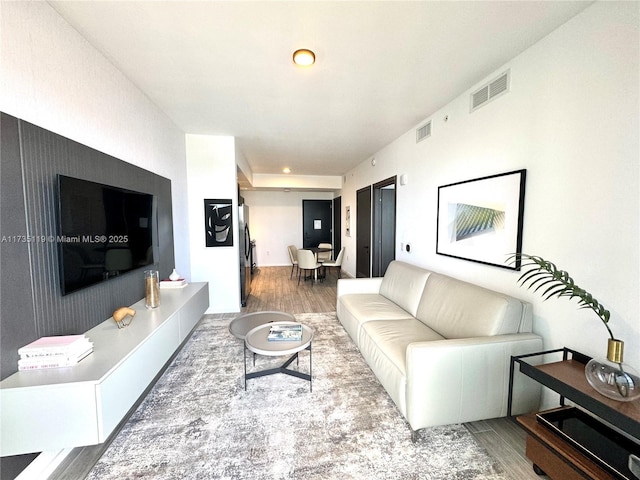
(285,333)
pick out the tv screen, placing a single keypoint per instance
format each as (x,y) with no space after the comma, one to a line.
(103,232)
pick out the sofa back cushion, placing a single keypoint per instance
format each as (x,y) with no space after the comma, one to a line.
(403,284)
(457,309)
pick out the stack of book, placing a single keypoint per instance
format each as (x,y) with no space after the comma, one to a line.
(285,333)
(181,282)
(53,352)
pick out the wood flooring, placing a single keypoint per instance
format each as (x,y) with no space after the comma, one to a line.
(274,288)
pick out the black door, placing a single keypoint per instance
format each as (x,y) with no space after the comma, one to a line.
(316,222)
(337,229)
(363,232)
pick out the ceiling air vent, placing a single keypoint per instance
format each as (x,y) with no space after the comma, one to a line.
(490,91)
(423,132)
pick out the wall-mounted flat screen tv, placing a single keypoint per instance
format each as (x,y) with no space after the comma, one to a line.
(103,232)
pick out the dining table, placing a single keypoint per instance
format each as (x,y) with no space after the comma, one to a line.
(315,251)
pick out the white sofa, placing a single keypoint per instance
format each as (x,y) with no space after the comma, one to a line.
(441,347)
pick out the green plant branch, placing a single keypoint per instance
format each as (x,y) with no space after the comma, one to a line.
(541,273)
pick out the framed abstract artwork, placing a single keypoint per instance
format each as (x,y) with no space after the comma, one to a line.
(481,220)
(347,220)
(218,222)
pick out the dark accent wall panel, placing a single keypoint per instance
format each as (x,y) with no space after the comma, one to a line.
(32,175)
(17,315)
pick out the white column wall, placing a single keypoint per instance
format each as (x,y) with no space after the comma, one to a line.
(211,172)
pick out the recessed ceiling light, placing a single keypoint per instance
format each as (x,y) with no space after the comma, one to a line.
(304,57)
(286,170)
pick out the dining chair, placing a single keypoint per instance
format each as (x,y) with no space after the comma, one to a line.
(324,256)
(336,263)
(293,256)
(307,263)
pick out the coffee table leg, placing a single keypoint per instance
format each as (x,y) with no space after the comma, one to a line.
(245,366)
(310,372)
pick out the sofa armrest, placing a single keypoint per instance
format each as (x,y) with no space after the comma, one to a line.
(463,380)
(358,285)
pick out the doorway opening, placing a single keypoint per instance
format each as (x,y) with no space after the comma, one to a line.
(384,226)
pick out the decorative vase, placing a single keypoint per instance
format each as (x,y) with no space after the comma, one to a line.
(174,276)
(611,377)
(151,289)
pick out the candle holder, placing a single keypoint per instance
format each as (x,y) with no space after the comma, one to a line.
(151,289)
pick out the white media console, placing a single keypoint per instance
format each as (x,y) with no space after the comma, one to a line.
(53,409)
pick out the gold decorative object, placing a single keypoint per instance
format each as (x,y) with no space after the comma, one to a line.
(615,350)
(123,316)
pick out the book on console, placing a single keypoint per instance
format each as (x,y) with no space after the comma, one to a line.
(53,361)
(285,333)
(56,345)
(181,282)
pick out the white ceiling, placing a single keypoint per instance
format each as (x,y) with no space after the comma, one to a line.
(224,67)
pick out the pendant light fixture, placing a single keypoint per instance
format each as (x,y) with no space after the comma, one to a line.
(304,57)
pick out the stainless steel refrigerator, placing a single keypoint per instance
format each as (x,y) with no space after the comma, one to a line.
(244,243)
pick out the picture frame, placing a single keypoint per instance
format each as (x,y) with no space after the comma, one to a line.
(218,222)
(347,221)
(481,220)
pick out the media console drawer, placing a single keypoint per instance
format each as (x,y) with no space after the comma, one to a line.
(52,409)
(121,388)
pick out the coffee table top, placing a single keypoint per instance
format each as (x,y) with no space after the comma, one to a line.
(242,324)
(256,340)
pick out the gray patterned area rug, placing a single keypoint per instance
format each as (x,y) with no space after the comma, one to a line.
(198,422)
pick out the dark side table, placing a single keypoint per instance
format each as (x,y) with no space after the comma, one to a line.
(596,451)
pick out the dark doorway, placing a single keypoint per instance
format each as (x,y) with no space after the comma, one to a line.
(363,232)
(337,222)
(316,222)
(384,225)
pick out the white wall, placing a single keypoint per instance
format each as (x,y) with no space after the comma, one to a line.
(275,218)
(211,173)
(52,77)
(572,120)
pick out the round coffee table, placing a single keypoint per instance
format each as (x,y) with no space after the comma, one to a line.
(257,342)
(242,324)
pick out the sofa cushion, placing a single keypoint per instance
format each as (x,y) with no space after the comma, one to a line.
(392,338)
(371,306)
(403,284)
(457,309)
(383,344)
(354,309)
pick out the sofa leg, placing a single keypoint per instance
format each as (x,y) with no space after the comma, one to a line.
(414,435)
